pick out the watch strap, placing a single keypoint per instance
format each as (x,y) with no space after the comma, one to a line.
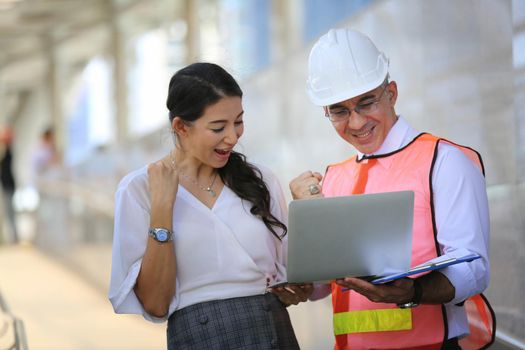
(416,299)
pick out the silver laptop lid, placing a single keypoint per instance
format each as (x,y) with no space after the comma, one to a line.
(359,235)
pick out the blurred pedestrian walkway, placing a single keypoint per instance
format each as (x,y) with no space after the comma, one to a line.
(62,311)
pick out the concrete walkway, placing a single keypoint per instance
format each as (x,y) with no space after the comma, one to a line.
(61,311)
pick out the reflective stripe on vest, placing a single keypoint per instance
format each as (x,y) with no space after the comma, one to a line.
(372,321)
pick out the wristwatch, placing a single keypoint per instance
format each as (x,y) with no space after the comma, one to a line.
(160,234)
(418,293)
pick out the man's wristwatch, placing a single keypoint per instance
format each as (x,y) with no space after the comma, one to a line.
(160,234)
(418,293)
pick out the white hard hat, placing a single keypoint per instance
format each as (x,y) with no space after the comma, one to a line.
(343,64)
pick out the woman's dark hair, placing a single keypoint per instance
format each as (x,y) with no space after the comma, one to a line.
(191,90)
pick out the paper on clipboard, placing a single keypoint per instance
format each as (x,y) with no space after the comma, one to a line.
(434,264)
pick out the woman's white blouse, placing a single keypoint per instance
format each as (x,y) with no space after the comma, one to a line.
(221,253)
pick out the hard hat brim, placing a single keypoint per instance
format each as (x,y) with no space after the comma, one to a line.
(345,95)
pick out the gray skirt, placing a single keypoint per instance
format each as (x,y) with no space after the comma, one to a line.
(254,322)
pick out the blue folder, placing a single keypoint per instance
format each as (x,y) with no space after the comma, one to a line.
(440,264)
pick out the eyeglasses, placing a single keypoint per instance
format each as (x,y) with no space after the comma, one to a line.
(341,114)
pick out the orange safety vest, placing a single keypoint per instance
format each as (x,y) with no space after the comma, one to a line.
(362,324)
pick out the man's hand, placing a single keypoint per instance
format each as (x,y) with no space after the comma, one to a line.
(436,289)
(306,185)
(398,292)
(293,294)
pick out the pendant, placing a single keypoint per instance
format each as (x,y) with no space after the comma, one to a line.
(212,192)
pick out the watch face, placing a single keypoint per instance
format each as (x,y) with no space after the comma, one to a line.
(162,235)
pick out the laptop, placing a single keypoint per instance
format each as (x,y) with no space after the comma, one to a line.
(366,235)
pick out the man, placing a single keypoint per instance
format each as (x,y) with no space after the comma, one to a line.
(348,77)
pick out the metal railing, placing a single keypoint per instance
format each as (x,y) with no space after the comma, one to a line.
(509,341)
(12,332)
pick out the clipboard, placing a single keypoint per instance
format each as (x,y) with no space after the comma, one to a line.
(425,267)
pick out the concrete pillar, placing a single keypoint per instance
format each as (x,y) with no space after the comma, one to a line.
(117,47)
(518,21)
(287,33)
(191,16)
(285,39)
(3,99)
(54,90)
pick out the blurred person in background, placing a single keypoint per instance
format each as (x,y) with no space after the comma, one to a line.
(200,234)
(45,155)
(8,180)
(44,159)
(348,78)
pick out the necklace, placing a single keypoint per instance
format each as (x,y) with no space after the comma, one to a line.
(208,189)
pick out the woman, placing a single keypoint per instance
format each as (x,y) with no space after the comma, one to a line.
(200,234)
